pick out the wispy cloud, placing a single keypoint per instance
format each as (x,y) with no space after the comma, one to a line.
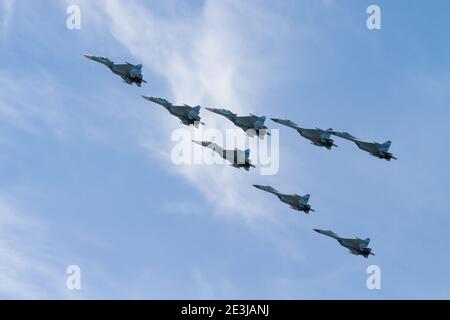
(35,110)
(28,264)
(211,56)
(8,8)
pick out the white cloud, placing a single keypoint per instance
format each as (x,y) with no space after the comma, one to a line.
(31,110)
(8,8)
(211,57)
(28,267)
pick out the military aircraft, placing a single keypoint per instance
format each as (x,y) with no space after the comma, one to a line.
(379,150)
(130,73)
(355,246)
(318,137)
(188,115)
(296,202)
(237,158)
(250,124)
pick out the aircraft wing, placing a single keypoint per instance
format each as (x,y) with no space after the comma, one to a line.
(372,147)
(224,112)
(311,132)
(102,60)
(266,188)
(358,243)
(328,233)
(211,145)
(186,110)
(286,122)
(216,148)
(126,79)
(247,121)
(250,119)
(123,68)
(160,101)
(343,135)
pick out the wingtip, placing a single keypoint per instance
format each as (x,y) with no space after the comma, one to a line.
(200,143)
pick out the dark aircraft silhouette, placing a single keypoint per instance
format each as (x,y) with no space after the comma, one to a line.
(188,115)
(379,150)
(355,246)
(252,125)
(237,158)
(296,202)
(129,73)
(318,137)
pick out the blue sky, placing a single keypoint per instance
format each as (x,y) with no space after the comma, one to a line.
(86,176)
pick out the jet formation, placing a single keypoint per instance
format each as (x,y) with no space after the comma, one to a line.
(356,246)
(299,203)
(188,115)
(129,73)
(237,158)
(252,125)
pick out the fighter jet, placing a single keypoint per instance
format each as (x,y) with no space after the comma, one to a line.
(355,246)
(237,158)
(130,73)
(250,124)
(318,137)
(296,202)
(188,115)
(379,150)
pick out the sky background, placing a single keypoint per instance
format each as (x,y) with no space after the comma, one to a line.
(85,171)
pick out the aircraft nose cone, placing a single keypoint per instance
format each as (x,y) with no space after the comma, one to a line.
(88,56)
